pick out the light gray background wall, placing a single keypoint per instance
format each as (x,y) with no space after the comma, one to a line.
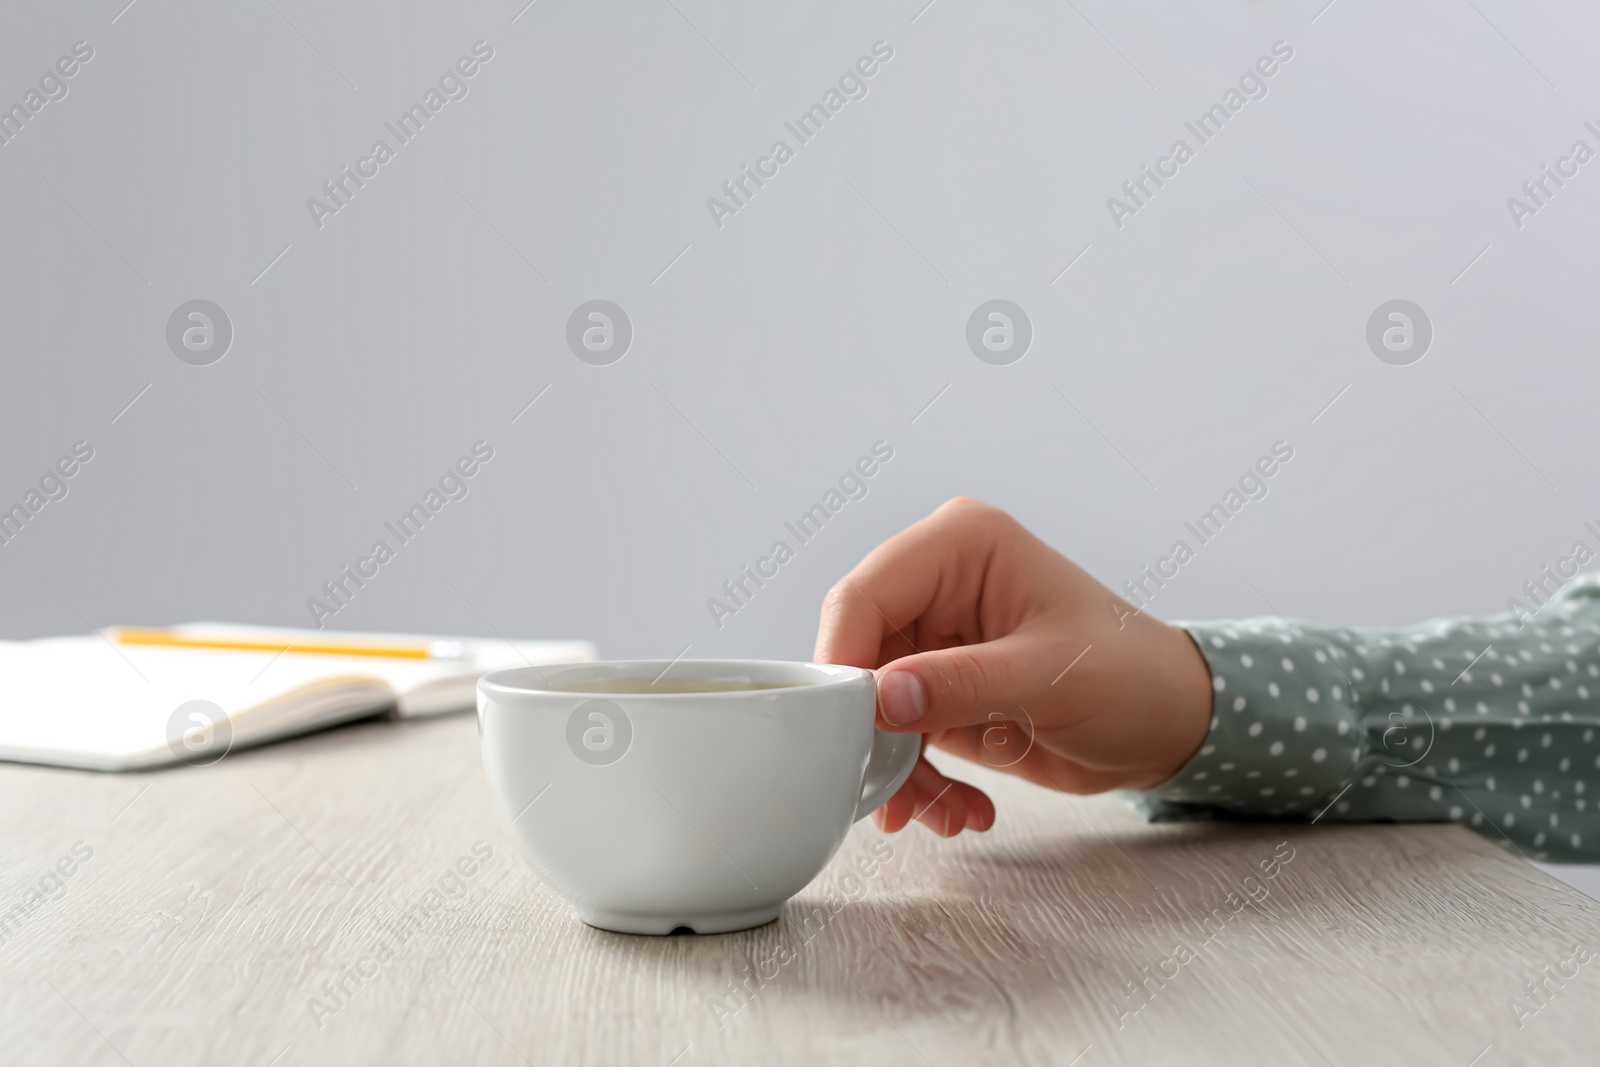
(826,315)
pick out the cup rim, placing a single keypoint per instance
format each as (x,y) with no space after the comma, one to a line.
(508,681)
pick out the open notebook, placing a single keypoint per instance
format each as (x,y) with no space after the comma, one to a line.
(87,701)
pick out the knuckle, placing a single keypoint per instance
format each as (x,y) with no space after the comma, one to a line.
(963,505)
(834,600)
(974,514)
(970,677)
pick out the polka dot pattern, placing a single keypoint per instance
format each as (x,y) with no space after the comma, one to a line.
(1359,720)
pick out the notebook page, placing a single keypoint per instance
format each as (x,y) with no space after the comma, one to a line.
(82,701)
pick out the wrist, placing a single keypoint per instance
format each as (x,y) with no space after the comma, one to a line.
(1186,704)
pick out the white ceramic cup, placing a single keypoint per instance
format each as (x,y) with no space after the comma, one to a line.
(653,811)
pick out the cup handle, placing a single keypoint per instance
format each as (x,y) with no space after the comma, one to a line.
(893,757)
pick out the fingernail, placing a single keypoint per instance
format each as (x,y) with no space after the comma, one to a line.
(902,697)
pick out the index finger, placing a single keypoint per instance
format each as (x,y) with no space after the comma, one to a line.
(898,581)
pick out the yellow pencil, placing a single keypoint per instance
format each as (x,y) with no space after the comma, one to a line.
(134,635)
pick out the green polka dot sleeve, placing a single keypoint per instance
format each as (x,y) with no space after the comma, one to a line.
(1493,723)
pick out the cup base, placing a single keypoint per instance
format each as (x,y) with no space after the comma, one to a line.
(722,922)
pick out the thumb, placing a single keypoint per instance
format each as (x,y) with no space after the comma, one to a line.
(947,689)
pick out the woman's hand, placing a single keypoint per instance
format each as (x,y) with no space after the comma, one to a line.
(999,649)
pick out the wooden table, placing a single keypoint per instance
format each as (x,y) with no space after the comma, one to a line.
(221,905)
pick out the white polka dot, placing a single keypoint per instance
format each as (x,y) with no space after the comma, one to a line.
(1268,791)
(1544,741)
(1291,773)
(1435,793)
(1368,782)
(1216,641)
(1288,664)
(1272,688)
(1527,801)
(1300,724)
(1455,813)
(1208,750)
(1198,776)
(1576,841)
(1238,703)
(1509,820)
(1318,755)
(1344,728)
(1255,729)
(1276,749)
(1522,755)
(1219,683)
(1402,781)
(1488,751)
(1313,696)
(1357,673)
(1455,765)
(1342,807)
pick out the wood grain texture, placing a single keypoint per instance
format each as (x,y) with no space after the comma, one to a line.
(219,900)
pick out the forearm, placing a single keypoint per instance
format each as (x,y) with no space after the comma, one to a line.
(1489,722)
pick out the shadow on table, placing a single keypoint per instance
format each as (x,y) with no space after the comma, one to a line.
(909,958)
(984,937)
